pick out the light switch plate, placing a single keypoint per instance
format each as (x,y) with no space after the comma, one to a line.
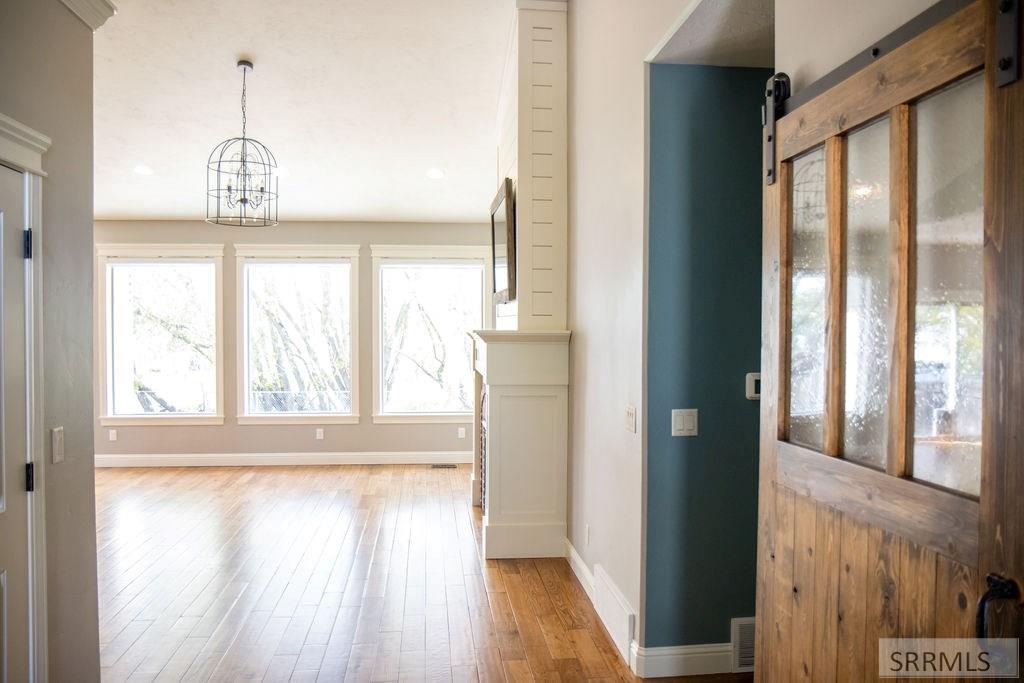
(57,445)
(752,386)
(631,419)
(684,422)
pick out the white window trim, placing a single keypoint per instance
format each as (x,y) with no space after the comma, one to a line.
(292,253)
(141,253)
(412,253)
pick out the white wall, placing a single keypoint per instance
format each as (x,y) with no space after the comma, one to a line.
(234,438)
(608,42)
(812,37)
(46,83)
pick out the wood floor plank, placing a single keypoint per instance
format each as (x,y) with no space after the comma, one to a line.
(590,658)
(327,573)
(488,664)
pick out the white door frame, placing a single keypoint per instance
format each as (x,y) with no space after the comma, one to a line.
(22,149)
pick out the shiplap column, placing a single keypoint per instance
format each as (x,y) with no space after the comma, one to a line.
(94,13)
(533,139)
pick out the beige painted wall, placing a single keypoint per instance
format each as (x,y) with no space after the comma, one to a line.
(235,438)
(46,83)
(608,42)
(812,37)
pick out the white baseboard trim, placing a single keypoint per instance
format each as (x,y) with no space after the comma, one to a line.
(617,615)
(249,459)
(580,569)
(619,620)
(544,539)
(682,660)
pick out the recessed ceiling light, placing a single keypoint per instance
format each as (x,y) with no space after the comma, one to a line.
(436,174)
(142,169)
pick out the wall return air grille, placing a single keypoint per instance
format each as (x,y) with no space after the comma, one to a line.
(743,644)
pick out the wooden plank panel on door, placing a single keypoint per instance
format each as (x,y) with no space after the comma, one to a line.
(1002,515)
(956,595)
(826,591)
(804,558)
(772,291)
(853,601)
(917,591)
(882,615)
(782,591)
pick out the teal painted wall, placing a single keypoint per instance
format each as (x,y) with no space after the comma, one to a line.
(704,321)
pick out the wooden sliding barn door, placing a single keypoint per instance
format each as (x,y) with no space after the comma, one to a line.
(892,424)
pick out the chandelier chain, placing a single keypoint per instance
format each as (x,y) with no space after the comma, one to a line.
(243,103)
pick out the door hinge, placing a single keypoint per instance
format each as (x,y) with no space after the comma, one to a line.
(775,93)
(30,476)
(1007,42)
(27,251)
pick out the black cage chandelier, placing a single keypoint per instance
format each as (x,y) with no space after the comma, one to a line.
(241,178)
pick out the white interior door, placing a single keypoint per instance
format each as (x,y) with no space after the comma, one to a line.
(14,500)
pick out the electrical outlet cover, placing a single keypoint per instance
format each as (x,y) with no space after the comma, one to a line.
(57,445)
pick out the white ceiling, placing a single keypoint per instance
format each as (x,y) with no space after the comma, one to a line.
(723,33)
(357,99)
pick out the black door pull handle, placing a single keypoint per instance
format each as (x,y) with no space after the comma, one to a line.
(999,588)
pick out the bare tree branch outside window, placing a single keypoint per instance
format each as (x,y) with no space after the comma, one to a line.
(426,310)
(161,329)
(298,337)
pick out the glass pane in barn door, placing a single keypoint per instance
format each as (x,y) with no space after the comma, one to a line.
(868,301)
(809,289)
(950,287)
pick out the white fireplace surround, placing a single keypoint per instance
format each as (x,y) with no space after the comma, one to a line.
(526,379)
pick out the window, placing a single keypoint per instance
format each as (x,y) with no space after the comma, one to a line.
(810,295)
(299,333)
(160,333)
(426,300)
(907,353)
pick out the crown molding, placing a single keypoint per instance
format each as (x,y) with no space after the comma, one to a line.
(93,12)
(21,146)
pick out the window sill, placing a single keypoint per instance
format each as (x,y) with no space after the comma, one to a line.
(319,419)
(154,420)
(424,418)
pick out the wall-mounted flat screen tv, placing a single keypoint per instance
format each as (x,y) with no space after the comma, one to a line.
(503,243)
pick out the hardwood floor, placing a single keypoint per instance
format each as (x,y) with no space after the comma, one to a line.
(363,573)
